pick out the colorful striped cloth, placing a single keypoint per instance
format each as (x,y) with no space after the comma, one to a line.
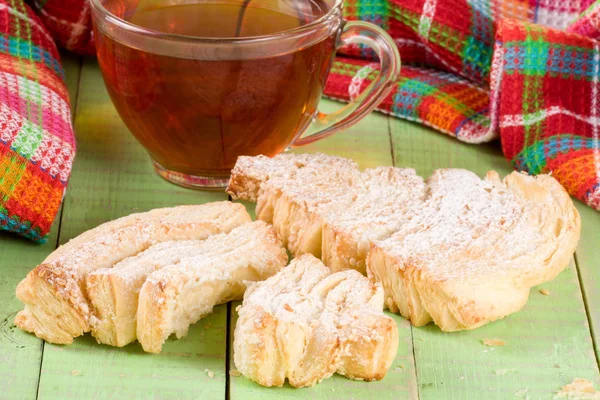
(36,137)
(526,71)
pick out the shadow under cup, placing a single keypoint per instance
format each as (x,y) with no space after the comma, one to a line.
(200,83)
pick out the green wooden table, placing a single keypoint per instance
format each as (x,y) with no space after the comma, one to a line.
(553,340)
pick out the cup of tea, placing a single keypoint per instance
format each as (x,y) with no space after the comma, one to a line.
(201,82)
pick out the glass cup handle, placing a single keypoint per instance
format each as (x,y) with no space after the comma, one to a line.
(389,58)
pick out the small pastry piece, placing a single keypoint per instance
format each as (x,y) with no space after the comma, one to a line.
(307,323)
(476,248)
(56,305)
(179,295)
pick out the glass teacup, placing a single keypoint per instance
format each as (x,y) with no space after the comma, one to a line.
(200,83)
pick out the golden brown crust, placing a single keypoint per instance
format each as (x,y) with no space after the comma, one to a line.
(305,324)
(56,304)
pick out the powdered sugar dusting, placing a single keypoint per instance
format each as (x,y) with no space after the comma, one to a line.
(182,293)
(324,323)
(65,269)
(476,237)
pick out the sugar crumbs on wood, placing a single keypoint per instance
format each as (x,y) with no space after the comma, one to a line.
(521,393)
(503,371)
(580,389)
(493,342)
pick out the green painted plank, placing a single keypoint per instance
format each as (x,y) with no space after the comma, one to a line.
(20,353)
(86,369)
(399,383)
(112,177)
(588,264)
(425,150)
(548,343)
(368,143)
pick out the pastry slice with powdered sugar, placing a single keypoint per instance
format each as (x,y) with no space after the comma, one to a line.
(306,323)
(178,295)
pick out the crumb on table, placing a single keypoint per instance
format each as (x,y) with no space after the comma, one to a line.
(493,342)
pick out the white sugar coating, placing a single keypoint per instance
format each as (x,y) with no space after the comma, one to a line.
(331,195)
(323,323)
(468,226)
(250,173)
(107,244)
(182,293)
(319,190)
(103,244)
(384,199)
(151,259)
(293,286)
(252,241)
(65,270)
(455,216)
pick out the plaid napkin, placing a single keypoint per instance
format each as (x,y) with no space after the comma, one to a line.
(36,135)
(526,71)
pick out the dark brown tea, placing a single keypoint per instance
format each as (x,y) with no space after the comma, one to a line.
(196,115)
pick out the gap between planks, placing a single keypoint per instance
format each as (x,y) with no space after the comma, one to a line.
(587,308)
(412,336)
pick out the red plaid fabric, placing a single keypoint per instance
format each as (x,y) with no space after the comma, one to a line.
(36,136)
(451,103)
(588,23)
(69,22)
(523,70)
(547,99)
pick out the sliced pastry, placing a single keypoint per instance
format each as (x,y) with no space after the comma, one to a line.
(325,206)
(456,250)
(178,295)
(306,323)
(477,247)
(113,292)
(56,305)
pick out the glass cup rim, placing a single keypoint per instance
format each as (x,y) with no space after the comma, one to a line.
(331,15)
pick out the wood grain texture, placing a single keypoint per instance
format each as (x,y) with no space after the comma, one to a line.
(548,343)
(190,368)
(588,265)
(399,383)
(21,353)
(112,177)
